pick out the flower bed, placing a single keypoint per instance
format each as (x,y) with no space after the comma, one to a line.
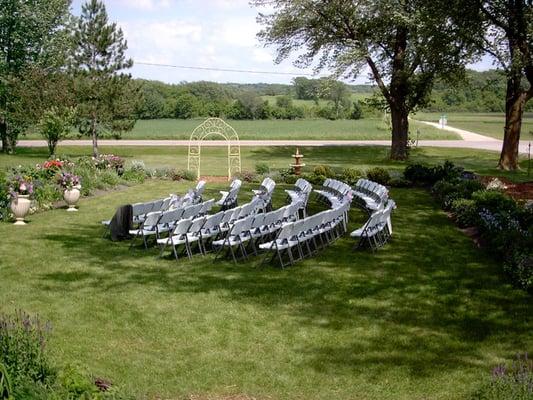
(504,225)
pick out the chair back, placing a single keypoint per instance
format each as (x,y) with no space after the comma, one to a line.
(182,227)
(170,217)
(213,220)
(196,225)
(152,219)
(207,206)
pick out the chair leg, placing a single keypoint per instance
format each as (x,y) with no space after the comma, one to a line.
(232,253)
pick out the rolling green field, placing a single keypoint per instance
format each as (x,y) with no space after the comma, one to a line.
(319,129)
(321,102)
(426,317)
(214,159)
(489,124)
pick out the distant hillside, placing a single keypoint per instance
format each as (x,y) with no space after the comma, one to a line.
(308,98)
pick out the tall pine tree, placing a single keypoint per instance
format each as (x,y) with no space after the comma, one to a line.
(107,97)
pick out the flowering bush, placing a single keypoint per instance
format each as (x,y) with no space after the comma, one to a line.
(20,185)
(108,161)
(53,164)
(69,181)
(514,382)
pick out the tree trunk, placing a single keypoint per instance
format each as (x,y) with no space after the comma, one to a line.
(3,135)
(94,136)
(400,133)
(514,110)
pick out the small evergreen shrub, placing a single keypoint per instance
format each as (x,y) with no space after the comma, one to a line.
(379,175)
(465,212)
(351,175)
(262,169)
(494,201)
(423,175)
(324,171)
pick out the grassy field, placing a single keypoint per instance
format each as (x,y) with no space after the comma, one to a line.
(489,124)
(320,129)
(424,318)
(321,102)
(214,159)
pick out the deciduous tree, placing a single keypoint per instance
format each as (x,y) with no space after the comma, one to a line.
(405,44)
(509,39)
(34,41)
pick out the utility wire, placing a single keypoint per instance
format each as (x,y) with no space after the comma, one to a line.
(225,69)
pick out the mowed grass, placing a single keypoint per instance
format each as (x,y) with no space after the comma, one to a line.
(308,129)
(426,317)
(214,159)
(489,124)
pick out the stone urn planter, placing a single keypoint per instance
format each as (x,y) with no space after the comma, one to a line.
(71,197)
(20,207)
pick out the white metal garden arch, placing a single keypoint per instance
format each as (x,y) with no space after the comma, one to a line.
(214,126)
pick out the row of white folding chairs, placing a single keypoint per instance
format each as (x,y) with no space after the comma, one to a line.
(333,191)
(249,231)
(229,198)
(160,222)
(371,195)
(300,193)
(264,193)
(378,228)
(140,210)
(308,235)
(193,196)
(209,228)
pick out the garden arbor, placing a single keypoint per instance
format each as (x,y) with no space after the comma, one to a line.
(210,127)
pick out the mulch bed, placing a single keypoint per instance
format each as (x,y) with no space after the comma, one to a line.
(519,191)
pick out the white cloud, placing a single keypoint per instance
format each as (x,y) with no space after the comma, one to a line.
(147,5)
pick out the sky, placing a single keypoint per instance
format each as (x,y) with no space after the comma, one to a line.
(200,33)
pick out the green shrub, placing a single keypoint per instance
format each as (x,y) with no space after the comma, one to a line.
(465,212)
(287,176)
(22,349)
(107,178)
(446,191)
(46,195)
(4,197)
(166,173)
(519,267)
(188,175)
(5,383)
(324,170)
(133,175)
(399,182)
(423,175)
(313,179)
(379,175)
(262,169)
(351,175)
(494,201)
(508,383)
(419,174)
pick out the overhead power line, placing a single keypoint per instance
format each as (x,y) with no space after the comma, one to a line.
(225,69)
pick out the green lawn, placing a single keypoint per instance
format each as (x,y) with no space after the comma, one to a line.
(426,317)
(319,129)
(490,124)
(214,159)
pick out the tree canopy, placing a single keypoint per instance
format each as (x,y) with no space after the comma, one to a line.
(405,44)
(34,41)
